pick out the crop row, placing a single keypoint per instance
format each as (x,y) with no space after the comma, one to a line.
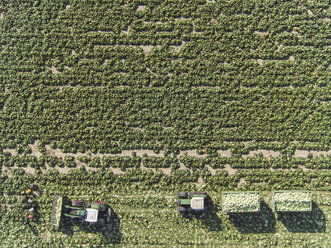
(124,162)
(177,180)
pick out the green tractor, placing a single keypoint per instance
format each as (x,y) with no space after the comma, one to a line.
(96,213)
(196,202)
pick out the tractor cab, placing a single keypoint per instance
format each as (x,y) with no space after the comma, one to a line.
(198,203)
(91,215)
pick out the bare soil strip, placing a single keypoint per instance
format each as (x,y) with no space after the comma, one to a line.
(265,153)
(305,153)
(143,152)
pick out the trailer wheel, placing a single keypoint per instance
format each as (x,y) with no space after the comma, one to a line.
(182,195)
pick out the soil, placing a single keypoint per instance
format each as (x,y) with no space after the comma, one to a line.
(191,153)
(230,170)
(291,58)
(212,170)
(140,152)
(224,153)
(266,153)
(304,153)
(141,8)
(241,182)
(54,70)
(199,183)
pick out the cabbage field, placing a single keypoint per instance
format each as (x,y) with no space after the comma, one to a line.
(129,102)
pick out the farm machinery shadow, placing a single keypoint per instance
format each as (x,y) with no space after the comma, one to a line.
(304,222)
(111,232)
(208,218)
(260,222)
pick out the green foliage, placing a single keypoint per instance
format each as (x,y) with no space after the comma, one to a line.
(69,161)
(104,77)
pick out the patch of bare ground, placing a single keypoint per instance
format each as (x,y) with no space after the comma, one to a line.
(191,153)
(260,61)
(166,171)
(241,182)
(183,19)
(168,128)
(247,88)
(73,52)
(199,183)
(148,49)
(265,153)
(304,168)
(212,170)
(183,167)
(224,153)
(1,15)
(291,58)
(304,153)
(196,32)
(326,19)
(287,87)
(141,7)
(54,70)
(310,12)
(68,6)
(261,33)
(35,150)
(230,170)
(11,151)
(67,68)
(138,129)
(117,171)
(141,152)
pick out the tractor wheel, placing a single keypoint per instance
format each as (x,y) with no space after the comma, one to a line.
(182,210)
(77,203)
(182,195)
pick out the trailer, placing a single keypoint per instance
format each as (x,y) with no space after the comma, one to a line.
(241,202)
(292,200)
